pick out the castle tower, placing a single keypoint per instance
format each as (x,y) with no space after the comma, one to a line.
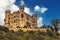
(21,8)
(7,18)
(22,16)
(34,21)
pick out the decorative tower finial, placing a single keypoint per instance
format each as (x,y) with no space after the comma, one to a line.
(22,6)
(22,3)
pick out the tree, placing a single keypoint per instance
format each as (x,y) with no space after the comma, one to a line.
(55,23)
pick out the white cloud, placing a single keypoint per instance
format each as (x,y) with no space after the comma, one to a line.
(4,5)
(14,8)
(12,1)
(1,20)
(22,2)
(27,10)
(43,9)
(39,21)
(37,8)
(40,9)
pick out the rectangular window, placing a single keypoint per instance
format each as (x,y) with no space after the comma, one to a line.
(14,21)
(8,18)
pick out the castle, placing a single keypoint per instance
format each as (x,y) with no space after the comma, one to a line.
(21,20)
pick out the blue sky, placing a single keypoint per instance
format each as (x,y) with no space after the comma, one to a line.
(53,6)
(46,10)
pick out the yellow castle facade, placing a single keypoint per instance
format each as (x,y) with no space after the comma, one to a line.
(21,20)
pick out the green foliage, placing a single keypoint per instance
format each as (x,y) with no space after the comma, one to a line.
(20,32)
(29,35)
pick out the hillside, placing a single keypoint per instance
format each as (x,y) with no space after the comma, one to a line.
(5,34)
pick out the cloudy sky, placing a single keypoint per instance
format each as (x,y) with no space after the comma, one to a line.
(46,10)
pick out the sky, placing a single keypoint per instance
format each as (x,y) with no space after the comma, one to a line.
(46,10)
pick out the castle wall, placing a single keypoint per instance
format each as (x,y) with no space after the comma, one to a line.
(30,29)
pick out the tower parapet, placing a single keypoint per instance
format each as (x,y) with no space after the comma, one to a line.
(7,11)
